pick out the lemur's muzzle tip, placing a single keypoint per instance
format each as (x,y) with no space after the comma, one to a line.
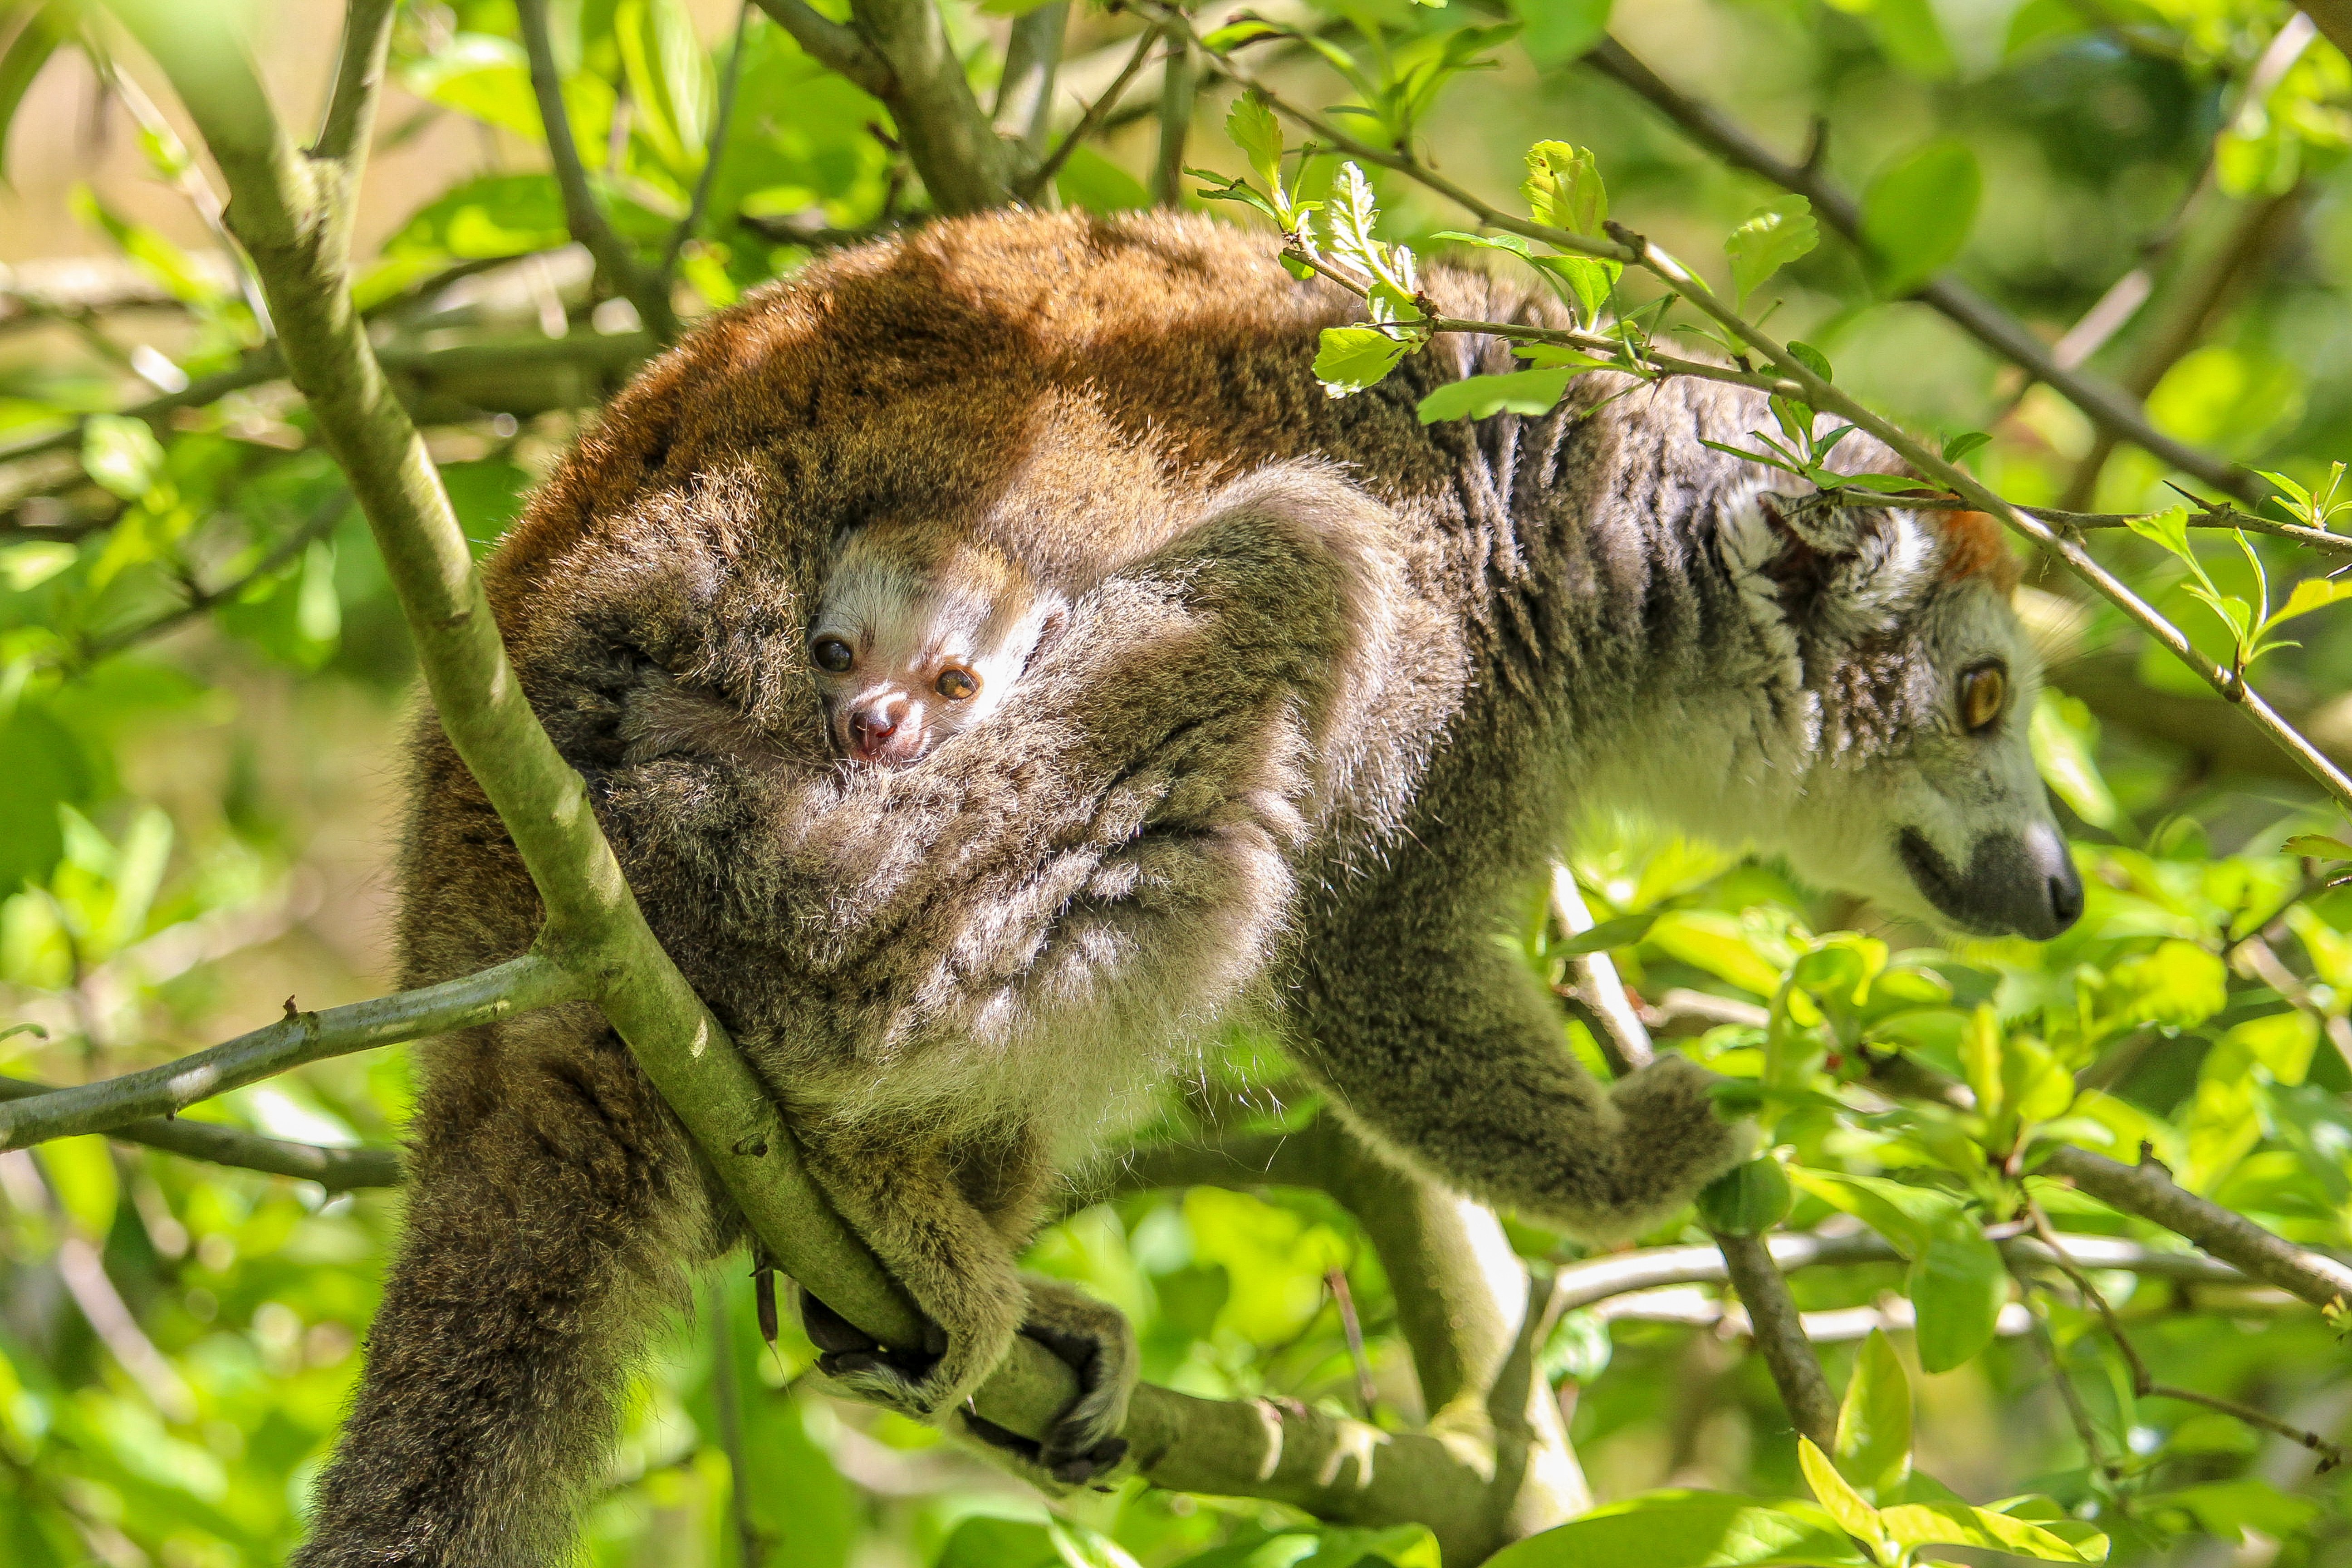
(2021,884)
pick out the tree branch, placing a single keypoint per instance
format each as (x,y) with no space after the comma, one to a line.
(1779,1336)
(337,1170)
(2148,1191)
(515,986)
(965,165)
(359,82)
(647,291)
(831,44)
(2109,408)
(1623,1036)
(1033,62)
(1179,84)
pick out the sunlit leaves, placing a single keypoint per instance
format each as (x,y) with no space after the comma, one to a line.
(1873,1431)
(1564,189)
(1915,216)
(1525,392)
(1747,1200)
(671,81)
(1353,358)
(1687,1529)
(1774,234)
(2065,739)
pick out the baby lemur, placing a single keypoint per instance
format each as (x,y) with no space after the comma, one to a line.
(1327,687)
(921,633)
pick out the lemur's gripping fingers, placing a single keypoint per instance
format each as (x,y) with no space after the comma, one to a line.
(925,1385)
(1673,1140)
(1097,1342)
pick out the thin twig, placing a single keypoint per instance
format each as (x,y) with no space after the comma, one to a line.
(708,176)
(728,1391)
(337,1170)
(2144,1384)
(1779,1332)
(2218,516)
(1972,312)
(1091,119)
(582,213)
(2086,1431)
(321,523)
(1367,1395)
(1597,983)
(515,986)
(1033,63)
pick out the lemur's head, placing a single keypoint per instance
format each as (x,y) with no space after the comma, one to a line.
(1915,684)
(919,636)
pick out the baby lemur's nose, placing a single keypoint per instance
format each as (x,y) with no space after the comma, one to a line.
(874,721)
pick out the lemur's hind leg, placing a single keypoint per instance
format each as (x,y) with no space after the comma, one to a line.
(903,1199)
(945,1222)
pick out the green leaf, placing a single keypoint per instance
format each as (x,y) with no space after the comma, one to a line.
(28,51)
(985,1542)
(1623,932)
(1687,1529)
(1246,30)
(1981,1052)
(1916,215)
(1914,1524)
(2282,1042)
(1873,1429)
(2179,984)
(1564,188)
(2318,845)
(2288,488)
(1716,943)
(1527,392)
(122,455)
(1961,446)
(2169,529)
(1559,31)
(1775,234)
(1958,1287)
(1812,358)
(2312,593)
(1907,1216)
(1885,484)
(1353,358)
(1088,180)
(671,80)
(1253,129)
(2065,741)
(1848,1507)
(1747,1200)
(1911,37)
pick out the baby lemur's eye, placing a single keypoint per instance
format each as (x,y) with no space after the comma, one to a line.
(955,685)
(832,655)
(1983,691)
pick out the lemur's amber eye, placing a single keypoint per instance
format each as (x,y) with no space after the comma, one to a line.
(955,685)
(1983,691)
(832,656)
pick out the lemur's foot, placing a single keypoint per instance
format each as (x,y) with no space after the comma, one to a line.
(1098,1344)
(906,1380)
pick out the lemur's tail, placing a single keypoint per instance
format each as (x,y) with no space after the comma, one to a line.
(551,1209)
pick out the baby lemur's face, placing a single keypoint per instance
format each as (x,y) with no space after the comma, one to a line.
(918,640)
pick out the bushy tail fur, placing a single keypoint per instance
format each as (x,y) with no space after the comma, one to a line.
(554,1207)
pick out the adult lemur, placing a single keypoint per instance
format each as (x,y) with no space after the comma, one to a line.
(1329,684)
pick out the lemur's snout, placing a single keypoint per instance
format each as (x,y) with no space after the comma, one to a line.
(2021,883)
(882,728)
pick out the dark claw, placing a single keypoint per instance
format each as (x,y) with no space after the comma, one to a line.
(1072,1469)
(828,1329)
(1080,1469)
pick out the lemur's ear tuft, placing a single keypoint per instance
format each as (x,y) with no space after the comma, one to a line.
(1976,546)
